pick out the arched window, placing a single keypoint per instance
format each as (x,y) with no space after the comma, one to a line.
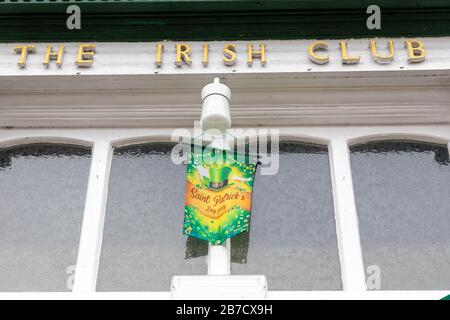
(42,195)
(143,245)
(292,238)
(402,191)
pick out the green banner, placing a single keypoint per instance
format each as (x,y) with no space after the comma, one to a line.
(219,188)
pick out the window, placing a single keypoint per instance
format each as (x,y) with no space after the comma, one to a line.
(292,238)
(143,245)
(42,194)
(304,233)
(402,194)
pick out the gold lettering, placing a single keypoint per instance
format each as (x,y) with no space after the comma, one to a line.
(23,51)
(380,58)
(205,54)
(346,59)
(416,51)
(182,55)
(50,55)
(316,46)
(85,55)
(256,54)
(159,53)
(229,54)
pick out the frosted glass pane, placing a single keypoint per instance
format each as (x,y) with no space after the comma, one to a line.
(143,245)
(42,195)
(292,238)
(403,203)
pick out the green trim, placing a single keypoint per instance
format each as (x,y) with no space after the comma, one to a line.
(128,6)
(140,20)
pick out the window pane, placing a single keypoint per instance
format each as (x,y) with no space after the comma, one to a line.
(403,203)
(143,244)
(292,238)
(42,195)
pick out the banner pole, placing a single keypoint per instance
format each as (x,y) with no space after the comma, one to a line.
(219,259)
(216,116)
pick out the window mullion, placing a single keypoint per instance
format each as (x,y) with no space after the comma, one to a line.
(448,147)
(219,258)
(93,219)
(352,267)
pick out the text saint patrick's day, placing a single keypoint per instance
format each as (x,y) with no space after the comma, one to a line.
(218,196)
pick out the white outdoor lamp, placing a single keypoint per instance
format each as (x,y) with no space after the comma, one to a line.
(216,107)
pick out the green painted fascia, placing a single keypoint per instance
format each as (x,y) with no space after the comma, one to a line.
(174,6)
(144,20)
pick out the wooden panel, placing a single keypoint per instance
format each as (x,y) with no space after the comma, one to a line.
(140,20)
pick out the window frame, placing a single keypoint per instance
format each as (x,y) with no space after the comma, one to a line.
(337,138)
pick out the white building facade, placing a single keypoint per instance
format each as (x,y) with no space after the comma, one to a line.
(92,206)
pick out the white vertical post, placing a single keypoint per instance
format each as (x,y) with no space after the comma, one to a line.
(93,219)
(219,259)
(448,147)
(352,267)
(216,115)
(219,255)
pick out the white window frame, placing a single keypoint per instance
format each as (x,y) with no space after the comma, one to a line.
(338,140)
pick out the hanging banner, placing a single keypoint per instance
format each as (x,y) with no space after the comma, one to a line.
(219,188)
